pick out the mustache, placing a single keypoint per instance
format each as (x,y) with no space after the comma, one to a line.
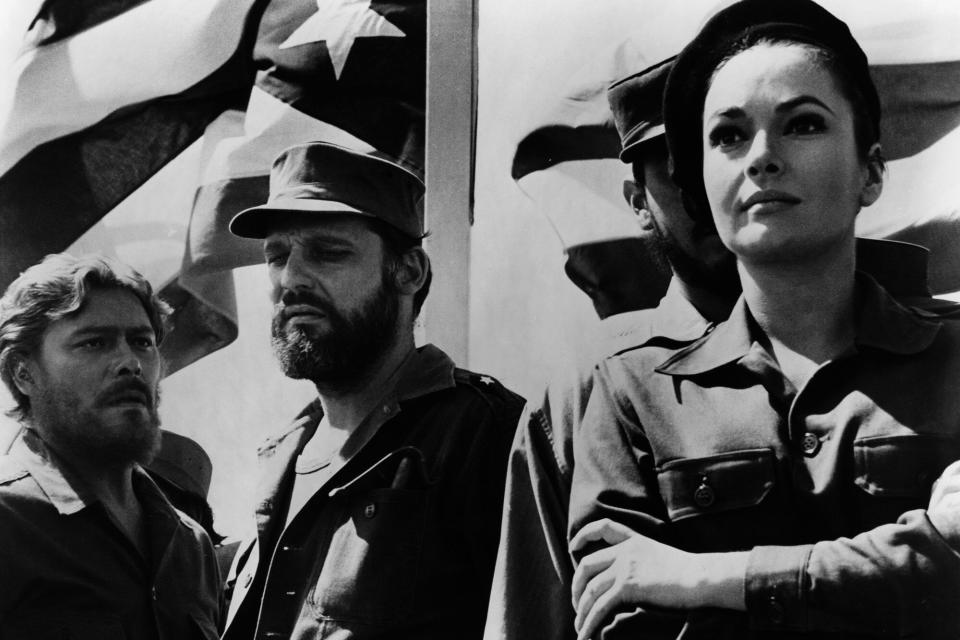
(301,298)
(129,389)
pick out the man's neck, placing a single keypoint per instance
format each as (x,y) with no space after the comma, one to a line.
(712,304)
(346,409)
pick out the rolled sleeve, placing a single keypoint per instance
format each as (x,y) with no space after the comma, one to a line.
(776,587)
(897,579)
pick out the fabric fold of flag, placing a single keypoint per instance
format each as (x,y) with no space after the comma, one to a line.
(919,84)
(87,117)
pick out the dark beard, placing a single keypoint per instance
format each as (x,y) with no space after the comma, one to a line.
(343,355)
(722,279)
(79,433)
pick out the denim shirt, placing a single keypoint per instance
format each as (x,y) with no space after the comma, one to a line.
(400,541)
(710,448)
(68,571)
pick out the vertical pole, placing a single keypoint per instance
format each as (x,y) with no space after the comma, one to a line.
(451,84)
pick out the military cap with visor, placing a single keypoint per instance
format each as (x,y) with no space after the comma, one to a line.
(321,178)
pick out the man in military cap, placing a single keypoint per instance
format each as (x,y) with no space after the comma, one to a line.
(89,546)
(530,597)
(379,510)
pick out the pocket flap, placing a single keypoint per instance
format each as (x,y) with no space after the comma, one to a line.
(733,480)
(902,466)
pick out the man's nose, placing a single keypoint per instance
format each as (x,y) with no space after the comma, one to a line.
(294,274)
(128,361)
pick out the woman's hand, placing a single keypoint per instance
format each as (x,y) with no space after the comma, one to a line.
(944,507)
(635,569)
(638,570)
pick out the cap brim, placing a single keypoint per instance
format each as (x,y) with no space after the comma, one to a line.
(256,222)
(631,150)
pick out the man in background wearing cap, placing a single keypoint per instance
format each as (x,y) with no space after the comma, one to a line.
(530,597)
(89,546)
(379,508)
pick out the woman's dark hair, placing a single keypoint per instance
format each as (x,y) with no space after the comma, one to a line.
(865,129)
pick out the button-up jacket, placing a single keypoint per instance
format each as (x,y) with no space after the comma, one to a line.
(710,448)
(401,539)
(68,571)
(530,596)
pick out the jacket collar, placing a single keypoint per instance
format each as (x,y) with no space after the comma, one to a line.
(674,319)
(66,495)
(426,370)
(881,323)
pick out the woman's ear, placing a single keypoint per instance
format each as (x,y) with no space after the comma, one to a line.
(873,186)
(636,197)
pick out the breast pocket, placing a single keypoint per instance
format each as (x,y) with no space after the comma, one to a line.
(714,500)
(370,570)
(896,473)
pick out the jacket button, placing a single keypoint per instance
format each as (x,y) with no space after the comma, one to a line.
(370,510)
(810,444)
(704,495)
(776,611)
(154,594)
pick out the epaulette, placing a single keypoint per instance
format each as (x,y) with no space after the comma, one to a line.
(486,385)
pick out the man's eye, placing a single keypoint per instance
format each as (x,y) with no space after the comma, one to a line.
(276,259)
(143,342)
(726,136)
(806,124)
(91,344)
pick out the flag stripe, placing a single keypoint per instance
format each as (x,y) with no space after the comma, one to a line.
(160,48)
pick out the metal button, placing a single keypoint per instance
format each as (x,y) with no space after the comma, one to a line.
(776,611)
(154,593)
(704,495)
(810,444)
(386,408)
(247,580)
(370,510)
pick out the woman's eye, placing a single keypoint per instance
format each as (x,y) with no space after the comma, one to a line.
(806,124)
(726,136)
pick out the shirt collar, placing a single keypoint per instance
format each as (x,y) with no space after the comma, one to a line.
(425,370)
(880,323)
(674,318)
(44,466)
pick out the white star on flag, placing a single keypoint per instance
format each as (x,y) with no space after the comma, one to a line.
(339,23)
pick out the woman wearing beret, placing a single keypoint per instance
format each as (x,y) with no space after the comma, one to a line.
(776,478)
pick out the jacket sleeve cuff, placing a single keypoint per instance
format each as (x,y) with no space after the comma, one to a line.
(776,587)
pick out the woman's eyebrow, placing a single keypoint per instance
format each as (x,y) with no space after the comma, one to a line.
(793,103)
